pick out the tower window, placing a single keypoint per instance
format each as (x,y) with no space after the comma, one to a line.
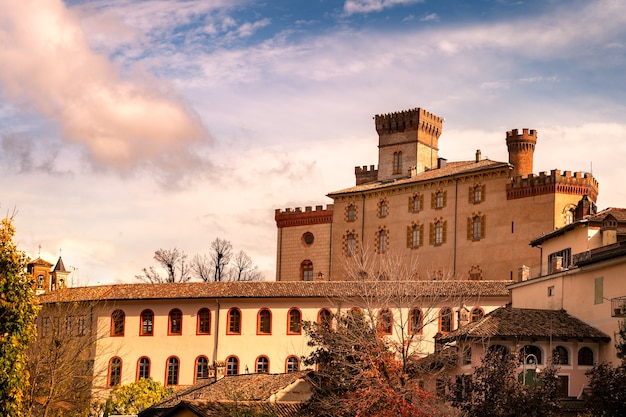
(306,270)
(397,163)
(383,208)
(382,241)
(351,213)
(350,244)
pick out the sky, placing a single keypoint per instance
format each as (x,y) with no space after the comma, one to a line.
(127,126)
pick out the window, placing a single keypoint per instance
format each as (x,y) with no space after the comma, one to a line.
(385,321)
(308,238)
(45,326)
(560,356)
(324,318)
(475,273)
(262,365)
(527,353)
(351,213)
(585,356)
(476,227)
(306,270)
(232,366)
(172,371)
(383,208)
(143,368)
(438,233)
(416,202)
(559,260)
(234,321)
(147,320)
(204,321)
(467,355)
(40,282)
(397,163)
(551,291)
(563,386)
(202,368)
(569,217)
(416,321)
(445,320)
(69,325)
(476,314)
(115,371)
(117,323)
(292,364)
(295,321)
(264,321)
(414,236)
(176,322)
(350,244)
(477,194)
(382,238)
(438,200)
(81,325)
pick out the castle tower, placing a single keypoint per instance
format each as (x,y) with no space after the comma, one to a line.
(407,141)
(521,149)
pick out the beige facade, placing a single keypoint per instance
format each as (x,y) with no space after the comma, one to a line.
(468,219)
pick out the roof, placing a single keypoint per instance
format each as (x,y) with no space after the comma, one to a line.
(450,169)
(277,289)
(249,390)
(521,323)
(59,267)
(210,409)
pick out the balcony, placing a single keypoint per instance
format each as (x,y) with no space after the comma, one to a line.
(618,307)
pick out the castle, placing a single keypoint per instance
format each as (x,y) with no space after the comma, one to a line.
(471,220)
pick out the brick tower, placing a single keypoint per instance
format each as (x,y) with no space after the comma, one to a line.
(521,149)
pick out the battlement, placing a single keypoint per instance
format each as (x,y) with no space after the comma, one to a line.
(413,119)
(566,182)
(290,217)
(526,135)
(365,175)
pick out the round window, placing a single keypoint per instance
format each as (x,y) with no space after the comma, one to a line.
(308,238)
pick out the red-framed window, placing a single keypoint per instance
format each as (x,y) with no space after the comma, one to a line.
(264,322)
(445,320)
(385,321)
(294,321)
(476,314)
(118,318)
(202,368)
(232,365)
(203,325)
(172,370)
(416,321)
(325,318)
(115,371)
(147,323)
(292,364)
(175,322)
(262,365)
(143,368)
(233,321)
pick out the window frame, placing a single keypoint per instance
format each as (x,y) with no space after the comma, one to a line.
(350,244)
(196,374)
(322,321)
(174,329)
(230,361)
(230,322)
(382,240)
(203,325)
(412,312)
(265,364)
(140,369)
(351,212)
(141,323)
(396,167)
(385,321)
(290,331)
(289,364)
(118,372)
(449,326)
(557,353)
(583,358)
(174,371)
(306,270)
(438,241)
(476,314)
(118,323)
(260,322)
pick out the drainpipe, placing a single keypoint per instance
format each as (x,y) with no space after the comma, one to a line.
(456,205)
(216,337)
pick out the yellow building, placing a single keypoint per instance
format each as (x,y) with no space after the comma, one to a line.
(468,219)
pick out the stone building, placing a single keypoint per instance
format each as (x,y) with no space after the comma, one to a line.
(468,219)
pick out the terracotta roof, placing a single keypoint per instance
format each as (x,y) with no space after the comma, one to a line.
(450,169)
(213,409)
(520,323)
(273,289)
(618,213)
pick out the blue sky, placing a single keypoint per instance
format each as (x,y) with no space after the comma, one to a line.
(128,126)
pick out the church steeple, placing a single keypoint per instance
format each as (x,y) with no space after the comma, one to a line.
(59,275)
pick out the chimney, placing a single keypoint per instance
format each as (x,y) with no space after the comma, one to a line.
(478,155)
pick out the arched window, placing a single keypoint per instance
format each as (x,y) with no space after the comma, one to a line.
(397,162)
(445,320)
(527,353)
(115,371)
(264,321)
(560,356)
(306,270)
(324,318)
(416,321)
(117,323)
(172,370)
(416,203)
(414,239)
(175,322)
(439,233)
(382,241)
(262,365)
(439,200)
(500,349)
(234,321)
(569,216)
(143,368)
(385,321)
(585,356)
(383,208)
(350,244)
(292,364)
(232,365)
(202,368)
(40,282)
(476,228)
(351,213)
(295,321)
(476,314)
(147,323)
(204,321)
(477,194)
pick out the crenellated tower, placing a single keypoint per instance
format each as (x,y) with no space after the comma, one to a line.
(521,150)
(407,140)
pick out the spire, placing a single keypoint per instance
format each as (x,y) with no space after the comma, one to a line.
(59,267)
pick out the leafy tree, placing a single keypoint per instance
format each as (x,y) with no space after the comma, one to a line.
(607,395)
(173,262)
(18,309)
(620,340)
(494,390)
(135,397)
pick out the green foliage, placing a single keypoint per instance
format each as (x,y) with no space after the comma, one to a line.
(135,397)
(607,390)
(494,390)
(620,341)
(18,310)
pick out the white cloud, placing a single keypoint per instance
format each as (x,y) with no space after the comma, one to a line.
(367,6)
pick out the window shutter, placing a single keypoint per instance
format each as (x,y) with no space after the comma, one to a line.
(410,203)
(470,228)
(421,198)
(470,195)
(431,238)
(445,228)
(482,226)
(482,194)
(421,232)
(409,236)
(445,198)
(433,200)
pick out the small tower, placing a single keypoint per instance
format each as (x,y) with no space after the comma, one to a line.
(40,271)
(408,141)
(59,275)
(521,149)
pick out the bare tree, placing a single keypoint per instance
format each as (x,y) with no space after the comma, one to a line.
(201,268)
(242,269)
(173,262)
(221,254)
